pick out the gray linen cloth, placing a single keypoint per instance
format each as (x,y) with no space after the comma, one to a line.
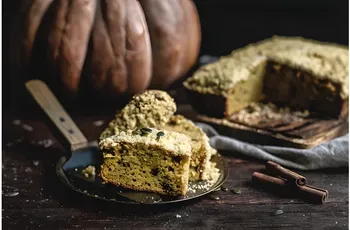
(332,154)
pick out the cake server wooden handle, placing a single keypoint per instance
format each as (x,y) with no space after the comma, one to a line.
(41,93)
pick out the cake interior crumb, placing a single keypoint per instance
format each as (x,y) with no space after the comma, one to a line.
(89,171)
(212,177)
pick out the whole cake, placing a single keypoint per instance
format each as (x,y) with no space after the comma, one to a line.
(302,73)
(155,109)
(147,159)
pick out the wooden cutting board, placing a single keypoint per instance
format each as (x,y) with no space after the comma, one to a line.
(302,133)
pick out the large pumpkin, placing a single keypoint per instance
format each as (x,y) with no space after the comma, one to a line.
(116,46)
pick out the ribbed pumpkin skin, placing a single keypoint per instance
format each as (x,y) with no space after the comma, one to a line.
(116,47)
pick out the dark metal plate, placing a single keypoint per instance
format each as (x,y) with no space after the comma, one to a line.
(69,173)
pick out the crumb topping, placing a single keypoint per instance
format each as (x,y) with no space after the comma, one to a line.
(211,177)
(149,109)
(323,60)
(256,112)
(180,124)
(177,143)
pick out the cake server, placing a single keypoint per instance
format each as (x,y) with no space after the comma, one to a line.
(83,154)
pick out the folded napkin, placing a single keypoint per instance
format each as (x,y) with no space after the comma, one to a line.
(332,154)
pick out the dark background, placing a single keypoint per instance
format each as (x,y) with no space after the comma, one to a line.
(44,203)
(227,25)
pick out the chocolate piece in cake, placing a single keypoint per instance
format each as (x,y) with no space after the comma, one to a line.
(147,161)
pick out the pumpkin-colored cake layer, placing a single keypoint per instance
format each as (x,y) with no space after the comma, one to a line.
(201,150)
(147,160)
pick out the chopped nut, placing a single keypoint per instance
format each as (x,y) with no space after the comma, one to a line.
(27,127)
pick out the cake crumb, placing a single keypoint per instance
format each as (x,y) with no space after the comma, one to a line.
(9,191)
(89,171)
(11,194)
(178,216)
(257,112)
(98,123)
(18,140)
(27,127)
(16,122)
(46,143)
(212,176)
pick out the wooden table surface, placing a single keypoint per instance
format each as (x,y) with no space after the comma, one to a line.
(33,198)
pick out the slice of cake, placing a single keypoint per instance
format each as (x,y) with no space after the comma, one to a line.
(201,150)
(302,73)
(149,109)
(155,109)
(147,159)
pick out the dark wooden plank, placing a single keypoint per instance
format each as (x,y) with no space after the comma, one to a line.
(44,203)
(291,126)
(301,135)
(268,123)
(316,128)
